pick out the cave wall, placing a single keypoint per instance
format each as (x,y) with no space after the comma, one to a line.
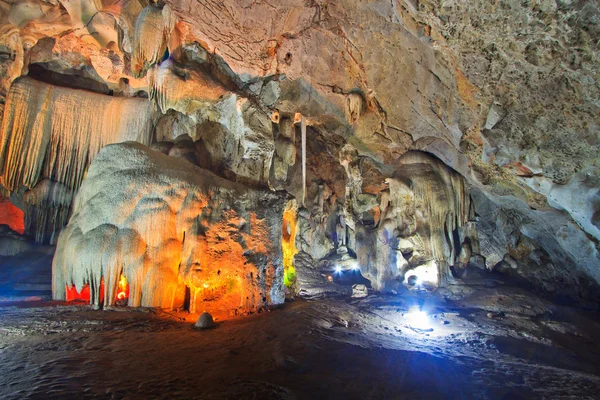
(502,93)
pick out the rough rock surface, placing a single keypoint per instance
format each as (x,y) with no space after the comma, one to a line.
(166,225)
(505,93)
(421,227)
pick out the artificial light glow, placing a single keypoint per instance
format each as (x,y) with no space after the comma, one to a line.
(123,292)
(288,243)
(356,268)
(417,319)
(338,269)
(426,275)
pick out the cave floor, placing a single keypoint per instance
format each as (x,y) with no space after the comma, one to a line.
(495,343)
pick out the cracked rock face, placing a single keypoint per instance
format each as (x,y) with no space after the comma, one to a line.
(505,95)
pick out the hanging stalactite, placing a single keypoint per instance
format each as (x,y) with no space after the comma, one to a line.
(52,132)
(153,29)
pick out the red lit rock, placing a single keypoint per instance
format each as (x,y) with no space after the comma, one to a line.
(11,215)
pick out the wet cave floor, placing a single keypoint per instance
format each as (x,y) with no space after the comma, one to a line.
(497,343)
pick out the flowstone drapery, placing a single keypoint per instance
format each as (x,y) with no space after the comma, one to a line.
(422,228)
(51,132)
(167,227)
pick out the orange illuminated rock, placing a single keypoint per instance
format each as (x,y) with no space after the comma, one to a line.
(167,228)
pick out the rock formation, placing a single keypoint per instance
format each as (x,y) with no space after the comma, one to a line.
(168,227)
(50,134)
(421,227)
(416,137)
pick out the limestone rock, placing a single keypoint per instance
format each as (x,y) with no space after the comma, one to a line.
(359,291)
(478,261)
(153,28)
(205,321)
(421,217)
(270,93)
(51,132)
(504,93)
(165,225)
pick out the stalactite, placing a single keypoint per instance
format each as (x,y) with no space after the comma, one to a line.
(54,132)
(422,227)
(165,224)
(153,29)
(441,209)
(47,210)
(303,130)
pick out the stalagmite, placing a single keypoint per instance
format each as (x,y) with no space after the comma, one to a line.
(153,28)
(165,224)
(54,132)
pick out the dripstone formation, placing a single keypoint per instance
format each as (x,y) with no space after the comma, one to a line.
(222,153)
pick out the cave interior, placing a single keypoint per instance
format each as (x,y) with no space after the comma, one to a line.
(306,199)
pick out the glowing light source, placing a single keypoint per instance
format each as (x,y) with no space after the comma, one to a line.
(417,319)
(288,243)
(356,267)
(123,292)
(423,276)
(338,269)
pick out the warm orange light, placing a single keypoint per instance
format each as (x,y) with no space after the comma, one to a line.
(123,292)
(288,243)
(71,293)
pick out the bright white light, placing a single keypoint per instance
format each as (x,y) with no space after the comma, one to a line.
(338,270)
(417,319)
(425,274)
(356,267)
